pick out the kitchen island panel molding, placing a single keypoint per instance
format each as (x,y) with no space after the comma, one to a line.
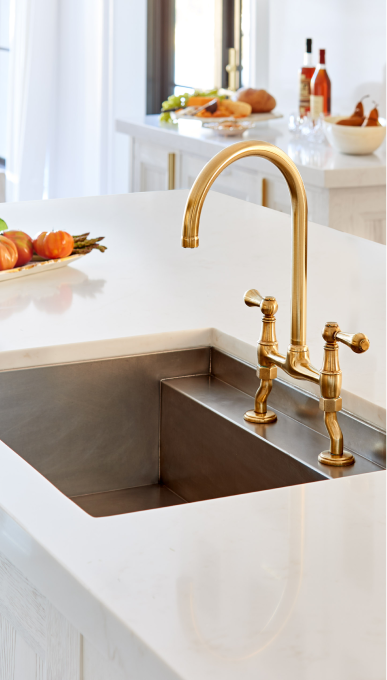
(36,641)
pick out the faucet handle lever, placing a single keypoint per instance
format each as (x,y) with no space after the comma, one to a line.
(358,342)
(253,298)
(268,304)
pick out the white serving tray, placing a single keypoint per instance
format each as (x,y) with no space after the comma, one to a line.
(38,267)
(252,118)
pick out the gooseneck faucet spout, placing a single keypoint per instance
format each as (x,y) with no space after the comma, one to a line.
(199,191)
(296,361)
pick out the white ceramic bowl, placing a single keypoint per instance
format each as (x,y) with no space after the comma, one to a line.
(357,141)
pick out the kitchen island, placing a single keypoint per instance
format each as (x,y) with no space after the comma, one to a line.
(239,587)
(347,193)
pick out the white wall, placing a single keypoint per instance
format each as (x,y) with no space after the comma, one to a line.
(101,76)
(351,31)
(76,65)
(4,68)
(129,80)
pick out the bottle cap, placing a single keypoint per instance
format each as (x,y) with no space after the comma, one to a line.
(322,56)
(309,45)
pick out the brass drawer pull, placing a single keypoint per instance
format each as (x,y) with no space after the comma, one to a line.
(171,170)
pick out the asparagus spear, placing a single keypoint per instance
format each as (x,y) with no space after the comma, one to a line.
(83,245)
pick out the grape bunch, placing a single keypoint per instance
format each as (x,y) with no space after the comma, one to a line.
(180,102)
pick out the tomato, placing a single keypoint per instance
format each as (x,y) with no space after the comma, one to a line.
(38,243)
(23,244)
(8,253)
(58,244)
(53,244)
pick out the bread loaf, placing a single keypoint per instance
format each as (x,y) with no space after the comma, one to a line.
(239,109)
(259,100)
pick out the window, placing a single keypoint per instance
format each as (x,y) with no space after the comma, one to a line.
(194,45)
(190,44)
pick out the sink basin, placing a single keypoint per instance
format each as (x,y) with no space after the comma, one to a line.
(143,432)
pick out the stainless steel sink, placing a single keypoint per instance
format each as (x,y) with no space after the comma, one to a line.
(149,431)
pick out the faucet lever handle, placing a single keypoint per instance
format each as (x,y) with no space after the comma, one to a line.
(358,342)
(268,304)
(253,298)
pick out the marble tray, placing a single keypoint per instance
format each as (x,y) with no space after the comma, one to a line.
(37,267)
(252,118)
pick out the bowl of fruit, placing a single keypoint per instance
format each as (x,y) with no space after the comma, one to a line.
(358,134)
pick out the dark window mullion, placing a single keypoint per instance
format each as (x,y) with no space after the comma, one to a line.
(160,52)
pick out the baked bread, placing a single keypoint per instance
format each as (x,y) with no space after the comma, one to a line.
(259,100)
(239,109)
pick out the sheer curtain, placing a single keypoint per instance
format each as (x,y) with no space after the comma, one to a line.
(60,98)
(32,57)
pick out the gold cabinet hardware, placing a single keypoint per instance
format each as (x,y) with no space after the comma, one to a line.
(171,170)
(232,69)
(296,362)
(264,193)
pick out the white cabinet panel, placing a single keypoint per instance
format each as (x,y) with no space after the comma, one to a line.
(278,198)
(17,660)
(360,211)
(150,166)
(96,667)
(63,656)
(23,606)
(36,641)
(233,181)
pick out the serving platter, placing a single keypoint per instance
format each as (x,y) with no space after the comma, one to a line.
(38,267)
(252,118)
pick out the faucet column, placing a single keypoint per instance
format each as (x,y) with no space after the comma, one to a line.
(330,388)
(266,370)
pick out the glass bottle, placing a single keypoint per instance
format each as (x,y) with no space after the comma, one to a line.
(305,77)
(320,90)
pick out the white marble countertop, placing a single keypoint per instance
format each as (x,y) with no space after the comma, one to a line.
(285,581)
(319,164)
(111,297)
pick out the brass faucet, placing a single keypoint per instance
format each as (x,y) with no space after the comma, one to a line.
(296,363)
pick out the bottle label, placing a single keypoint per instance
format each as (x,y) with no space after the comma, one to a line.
(316,105)
(304,95)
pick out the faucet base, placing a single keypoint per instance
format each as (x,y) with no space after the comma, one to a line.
(254,417)
(328,458)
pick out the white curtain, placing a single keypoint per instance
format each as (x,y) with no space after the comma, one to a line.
(32,49)
(60,98)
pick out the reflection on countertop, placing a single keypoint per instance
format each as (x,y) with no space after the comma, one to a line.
(55,297)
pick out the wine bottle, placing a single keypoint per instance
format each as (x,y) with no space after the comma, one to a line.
(320,90)
(305,77)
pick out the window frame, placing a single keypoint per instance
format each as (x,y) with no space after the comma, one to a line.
(161,51)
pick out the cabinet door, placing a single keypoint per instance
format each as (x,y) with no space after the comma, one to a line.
(151,166)
(233,181)
(278,198)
